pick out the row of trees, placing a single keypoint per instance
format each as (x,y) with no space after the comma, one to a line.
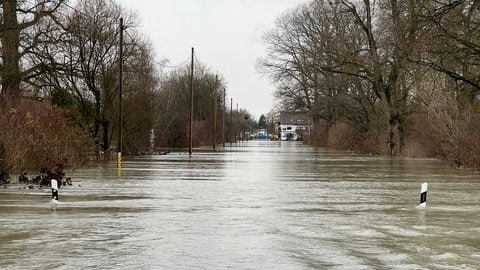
(59,70)
(388,76)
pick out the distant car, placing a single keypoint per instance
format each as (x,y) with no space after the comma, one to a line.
(263,137)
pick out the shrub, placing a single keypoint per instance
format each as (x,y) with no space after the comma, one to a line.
(344,137)
(35,135)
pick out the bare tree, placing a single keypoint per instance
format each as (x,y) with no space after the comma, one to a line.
(141,90)
(22,30)
(85,63)
(173,105)
(309,58)
(453,28)
(389,31)
(350,59)
(294,51)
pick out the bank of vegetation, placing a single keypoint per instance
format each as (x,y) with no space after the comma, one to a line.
(396,77)
(59,96)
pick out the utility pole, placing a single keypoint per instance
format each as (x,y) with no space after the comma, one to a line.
(214,145)
(231,120)
(190,143)
(223,118)
(237,126)
(120,101)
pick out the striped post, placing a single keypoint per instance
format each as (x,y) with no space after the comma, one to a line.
(423,195)
(54,185)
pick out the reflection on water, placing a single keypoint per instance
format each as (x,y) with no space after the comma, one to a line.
(257,205)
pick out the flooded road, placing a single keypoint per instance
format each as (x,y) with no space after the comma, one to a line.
(257,205)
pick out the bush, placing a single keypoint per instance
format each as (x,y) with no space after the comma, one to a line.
(35,135)
(342,136)
(421,140)
(318,136)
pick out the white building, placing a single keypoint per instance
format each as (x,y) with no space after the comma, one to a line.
(292,126)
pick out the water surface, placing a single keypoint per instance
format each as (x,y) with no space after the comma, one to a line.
(256,205)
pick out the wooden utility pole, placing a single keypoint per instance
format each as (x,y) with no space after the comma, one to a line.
(215,113)
(190,143)
(231,120)
(223,118)
(120,101)
(237,126)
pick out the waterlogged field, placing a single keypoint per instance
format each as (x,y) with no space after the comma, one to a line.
(256,205)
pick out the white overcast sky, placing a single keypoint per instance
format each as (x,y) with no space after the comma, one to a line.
(226,35)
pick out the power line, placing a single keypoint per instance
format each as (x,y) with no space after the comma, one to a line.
(184,63)
(150,57)
(158,62)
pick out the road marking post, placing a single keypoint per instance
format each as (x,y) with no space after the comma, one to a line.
(423,195)
(54,201)
(54,184)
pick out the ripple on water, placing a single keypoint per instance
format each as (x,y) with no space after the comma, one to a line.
(278,205)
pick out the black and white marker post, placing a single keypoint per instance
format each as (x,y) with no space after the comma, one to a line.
(54,185)
(54,201)
(423,195)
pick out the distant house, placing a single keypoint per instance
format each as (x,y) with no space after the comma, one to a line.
(292,126)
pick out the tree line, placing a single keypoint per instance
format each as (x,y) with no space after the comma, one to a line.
(396,77)
(59,70)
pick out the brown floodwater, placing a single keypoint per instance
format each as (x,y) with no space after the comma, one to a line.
(255,205)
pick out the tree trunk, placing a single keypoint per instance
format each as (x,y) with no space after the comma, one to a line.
(10,39)
(395,121)
(106,141)
(395,138)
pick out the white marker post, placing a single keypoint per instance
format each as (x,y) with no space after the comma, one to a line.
(54,185)
(54,201)
(423,195)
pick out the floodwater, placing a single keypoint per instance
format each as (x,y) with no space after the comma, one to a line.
(256,205)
